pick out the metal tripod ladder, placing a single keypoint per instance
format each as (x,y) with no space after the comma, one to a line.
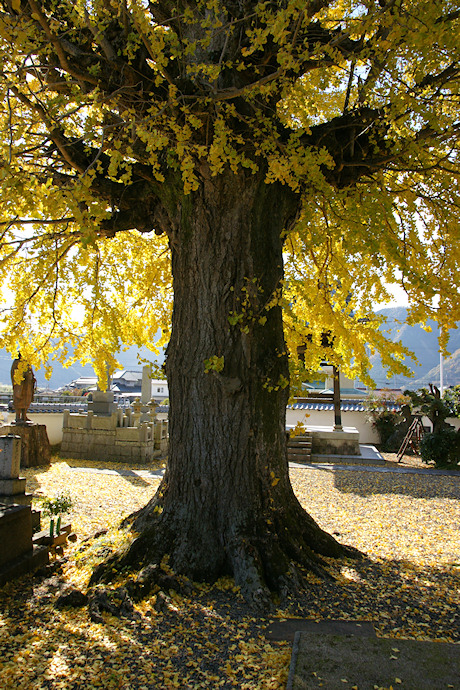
(412,438)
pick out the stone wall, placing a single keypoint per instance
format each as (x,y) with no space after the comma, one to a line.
(54,422)
(122,437)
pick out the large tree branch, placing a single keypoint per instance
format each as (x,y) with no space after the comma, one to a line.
(150,216)
(358,143)
(442,78)
(75,54)
(81,158)
(99,37)
(67,148)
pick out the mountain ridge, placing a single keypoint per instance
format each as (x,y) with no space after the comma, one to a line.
(61,375)
(423,343)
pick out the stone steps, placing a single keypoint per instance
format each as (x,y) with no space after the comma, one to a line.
(299,448)
(300,453)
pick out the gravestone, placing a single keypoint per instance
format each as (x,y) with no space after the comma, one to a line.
(10,456)
(18,554)
(15,532)
(102,403)
(146,389)
(12,486)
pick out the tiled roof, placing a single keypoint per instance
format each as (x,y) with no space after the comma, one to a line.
(345,406)
(58,408)
(49,407)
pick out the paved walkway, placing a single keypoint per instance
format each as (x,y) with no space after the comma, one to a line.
(350,660)
(325,467)
(122,473)
(332,467)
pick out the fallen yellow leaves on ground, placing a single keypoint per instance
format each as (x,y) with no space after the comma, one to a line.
(408,584)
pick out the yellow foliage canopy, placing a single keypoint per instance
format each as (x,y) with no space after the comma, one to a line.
(113,113)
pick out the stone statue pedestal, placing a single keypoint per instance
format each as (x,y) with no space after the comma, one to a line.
(102,403)
(35,446)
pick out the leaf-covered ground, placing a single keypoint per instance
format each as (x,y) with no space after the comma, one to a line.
(408,585)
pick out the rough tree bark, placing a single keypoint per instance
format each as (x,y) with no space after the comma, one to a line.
(226,505)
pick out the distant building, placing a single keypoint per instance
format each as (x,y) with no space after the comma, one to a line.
(86,383)
(160,389)
(126,381)
(129,382)
(348,388)
(126,384)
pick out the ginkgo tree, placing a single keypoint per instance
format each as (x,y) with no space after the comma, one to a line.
(254,173)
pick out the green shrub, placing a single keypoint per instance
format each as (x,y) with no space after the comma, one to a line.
(61,504)
(383,412)
(429,402)
(452,400)
(442,448)
(385,424)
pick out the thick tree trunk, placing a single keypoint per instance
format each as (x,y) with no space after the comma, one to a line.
(226,505)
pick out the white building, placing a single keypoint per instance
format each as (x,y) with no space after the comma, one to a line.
(160,389)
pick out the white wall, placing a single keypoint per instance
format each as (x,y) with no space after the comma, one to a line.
(358,420)
(455,421)
(367,434)
(53,422)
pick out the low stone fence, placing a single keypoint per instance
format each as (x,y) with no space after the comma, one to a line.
(123,436)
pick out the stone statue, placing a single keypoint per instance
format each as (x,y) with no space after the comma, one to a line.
(23,392)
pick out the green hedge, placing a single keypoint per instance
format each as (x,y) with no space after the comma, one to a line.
(442,448)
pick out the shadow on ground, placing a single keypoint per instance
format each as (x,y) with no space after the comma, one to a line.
(415,485)
(401,599)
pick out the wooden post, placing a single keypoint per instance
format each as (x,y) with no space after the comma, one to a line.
(337,412)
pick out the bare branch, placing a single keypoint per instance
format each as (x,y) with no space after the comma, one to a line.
(37,221)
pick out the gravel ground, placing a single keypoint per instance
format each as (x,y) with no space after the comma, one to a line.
(406,461)
(408,584)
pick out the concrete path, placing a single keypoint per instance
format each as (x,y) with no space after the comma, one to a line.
(122,473)
(325,467)
(359,662)
(332,467)
(285,629)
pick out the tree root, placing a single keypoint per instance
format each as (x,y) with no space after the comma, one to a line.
(247,571)
(119,601)
(270,560)
(115,601)
(154,577)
